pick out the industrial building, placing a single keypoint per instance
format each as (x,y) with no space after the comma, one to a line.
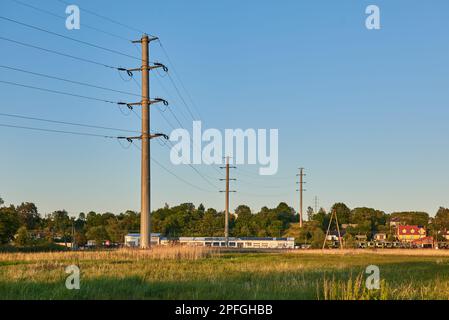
(133,240)
(243,242)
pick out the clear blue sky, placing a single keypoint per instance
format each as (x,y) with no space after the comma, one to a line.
(365,112)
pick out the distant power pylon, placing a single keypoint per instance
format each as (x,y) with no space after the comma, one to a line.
(316,204)
(227,191)
(301,189)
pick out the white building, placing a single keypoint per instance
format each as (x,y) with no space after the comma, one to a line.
(244,242)
(133,239)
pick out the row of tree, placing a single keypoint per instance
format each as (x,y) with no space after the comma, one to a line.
(23,225)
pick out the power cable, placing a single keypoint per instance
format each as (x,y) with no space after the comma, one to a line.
(107,18)
(58,53)
(67,80)
(58,131)
(68,38)
(64,122)
(173,174)
(85,25)
(57,92)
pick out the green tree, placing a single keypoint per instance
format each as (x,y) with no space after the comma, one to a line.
(321,218)
(442,219)
(9,223)
(412,217)
(368,221)
(28,215)
(244,224)
(343,212)
(23,237)
(98,234)
(349,241)
(317,238)
(62,224)
(115,230)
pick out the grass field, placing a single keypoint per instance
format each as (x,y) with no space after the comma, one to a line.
(189,273)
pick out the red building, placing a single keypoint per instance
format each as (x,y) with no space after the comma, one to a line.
(410,233)
(426,242)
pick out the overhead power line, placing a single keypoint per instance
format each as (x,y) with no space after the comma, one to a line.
(57,92)
(58,131)
(85,25)
(174,174)
(181,97)
(58,53)
(107,18)
(67,80)
(67,37)
(178,77)
(64,122)
(258,184)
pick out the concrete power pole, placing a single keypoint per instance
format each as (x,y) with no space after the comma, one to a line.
(227,191)
(301,189)
(145,189)
(145,209)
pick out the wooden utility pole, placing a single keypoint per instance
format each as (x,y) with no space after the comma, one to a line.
(340,240)
(301,189)
(227,191)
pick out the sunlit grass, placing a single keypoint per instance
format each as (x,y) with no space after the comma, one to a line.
(198,273)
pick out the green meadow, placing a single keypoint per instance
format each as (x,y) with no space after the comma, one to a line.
(193,273)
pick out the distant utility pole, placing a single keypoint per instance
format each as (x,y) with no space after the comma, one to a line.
(145,225)
(316,204)
(301,189)
(227,191)
(73,236)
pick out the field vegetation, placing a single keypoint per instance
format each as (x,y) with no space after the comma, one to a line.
(200,273)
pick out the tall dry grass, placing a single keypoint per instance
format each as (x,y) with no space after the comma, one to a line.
(351,289)
(387,252)
(156,253)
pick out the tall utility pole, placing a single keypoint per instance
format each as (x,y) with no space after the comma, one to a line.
(301,189)
(145,189)
(227,191)
(145,224)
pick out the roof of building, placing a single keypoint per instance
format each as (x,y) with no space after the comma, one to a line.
(424,240)
(409,230)
(138,235)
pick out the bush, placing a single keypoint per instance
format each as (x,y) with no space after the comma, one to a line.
(23,237)
(42,247)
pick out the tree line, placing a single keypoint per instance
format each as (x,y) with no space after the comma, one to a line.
(23,225)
